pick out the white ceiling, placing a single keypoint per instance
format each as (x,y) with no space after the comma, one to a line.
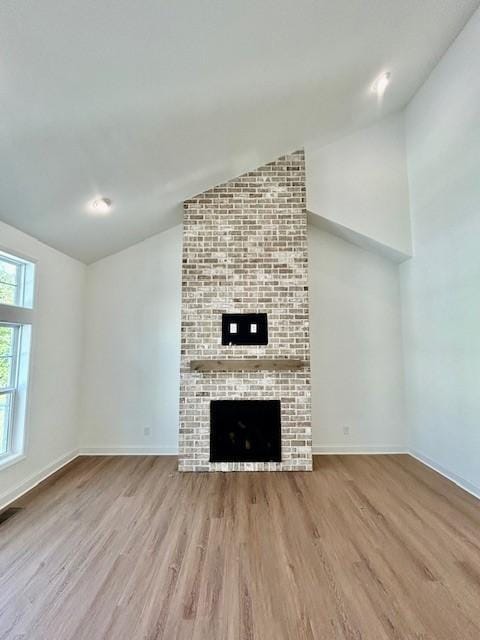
(148,102)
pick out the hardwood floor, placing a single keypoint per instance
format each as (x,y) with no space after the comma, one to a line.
(365,547)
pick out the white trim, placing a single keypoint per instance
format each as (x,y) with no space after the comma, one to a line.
(11,314)
(357,449)
(9,459)
(467,486)
(18,255)
(129,451)
(36,478)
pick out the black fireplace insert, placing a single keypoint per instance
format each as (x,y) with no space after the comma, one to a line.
(245,431)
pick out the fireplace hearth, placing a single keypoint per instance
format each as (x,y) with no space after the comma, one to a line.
(245,431)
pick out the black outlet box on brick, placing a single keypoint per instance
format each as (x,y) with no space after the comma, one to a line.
(244,328)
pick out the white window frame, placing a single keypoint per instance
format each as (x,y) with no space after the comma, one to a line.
(12,388)
(21,265)
(20,316)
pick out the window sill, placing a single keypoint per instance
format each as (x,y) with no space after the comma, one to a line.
(10,459)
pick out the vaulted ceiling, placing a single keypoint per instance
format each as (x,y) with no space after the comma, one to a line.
(150,102)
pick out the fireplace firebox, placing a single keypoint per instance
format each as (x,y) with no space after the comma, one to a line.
(245,431)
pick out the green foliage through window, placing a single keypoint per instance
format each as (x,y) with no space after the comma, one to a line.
(9,281)
(16,304)
(5,411)
(7,348)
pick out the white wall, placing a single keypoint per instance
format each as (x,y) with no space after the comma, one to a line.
(52,422)
(357,365)
(441,285)
(132,348)
(132,310)
(358,186)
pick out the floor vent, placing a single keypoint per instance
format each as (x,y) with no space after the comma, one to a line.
(8,513)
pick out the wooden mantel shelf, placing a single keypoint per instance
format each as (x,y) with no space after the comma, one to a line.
(244,364)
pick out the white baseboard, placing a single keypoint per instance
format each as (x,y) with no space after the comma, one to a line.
(450,475)
(129,451)
(173,451)
(35,479)
(32,481)
(357,449)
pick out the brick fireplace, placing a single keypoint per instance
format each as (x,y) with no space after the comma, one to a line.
(245,252)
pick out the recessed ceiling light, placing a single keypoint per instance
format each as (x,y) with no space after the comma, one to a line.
(101,205)
(381,83)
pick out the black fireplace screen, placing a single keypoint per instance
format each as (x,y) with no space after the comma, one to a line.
(245,431)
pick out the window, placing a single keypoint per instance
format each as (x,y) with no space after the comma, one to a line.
(16,317)
(8,366)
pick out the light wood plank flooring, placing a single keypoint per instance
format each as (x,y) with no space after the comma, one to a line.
(126,548)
